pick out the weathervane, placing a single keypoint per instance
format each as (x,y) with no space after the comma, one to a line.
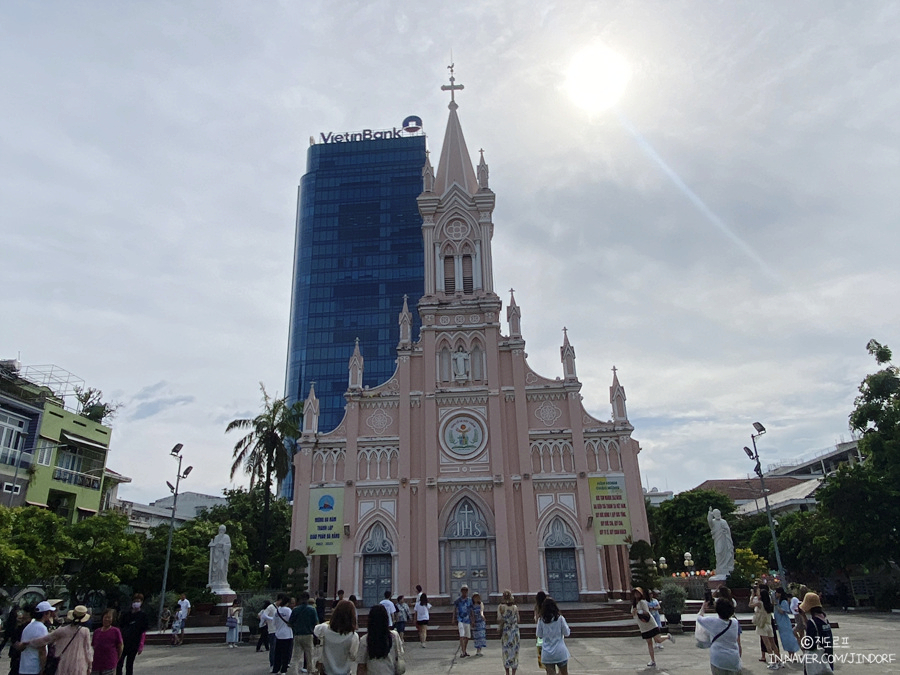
(452,88)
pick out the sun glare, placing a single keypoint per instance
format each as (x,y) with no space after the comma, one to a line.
(597,77)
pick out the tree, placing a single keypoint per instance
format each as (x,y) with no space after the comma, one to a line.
(642,574)
(41,535)
(91,405)
(877,415)
(12,558)
(263,451)
(681,526)
(107,554)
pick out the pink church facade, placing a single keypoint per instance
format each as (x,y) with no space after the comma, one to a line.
(467,467)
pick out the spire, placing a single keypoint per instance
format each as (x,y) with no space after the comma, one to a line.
(514,316)
(356,368)
(405,324)
(567,354)
(427,174)
(617,399)
(455,165)
(483,172)
(311,411)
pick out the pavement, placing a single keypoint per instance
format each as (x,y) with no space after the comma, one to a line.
(868,643)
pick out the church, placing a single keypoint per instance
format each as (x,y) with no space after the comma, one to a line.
(466,466)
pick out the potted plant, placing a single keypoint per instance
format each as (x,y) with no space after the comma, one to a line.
(671,600)
(747,567)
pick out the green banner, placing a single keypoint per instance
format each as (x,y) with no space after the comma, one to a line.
(326,520)
(610,510)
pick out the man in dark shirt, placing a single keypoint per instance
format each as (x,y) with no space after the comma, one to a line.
(133,625)
(303,621)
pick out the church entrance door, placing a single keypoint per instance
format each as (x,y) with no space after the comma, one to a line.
(562,575)
(376,578)
(469,566)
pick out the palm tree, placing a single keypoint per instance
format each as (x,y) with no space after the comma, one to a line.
(264,450)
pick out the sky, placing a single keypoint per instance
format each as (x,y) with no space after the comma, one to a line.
(726,237)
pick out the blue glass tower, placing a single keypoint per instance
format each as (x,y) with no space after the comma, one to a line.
(358,251)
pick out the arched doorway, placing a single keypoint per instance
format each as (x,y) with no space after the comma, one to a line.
(469,550)
(377,566)
(562,562)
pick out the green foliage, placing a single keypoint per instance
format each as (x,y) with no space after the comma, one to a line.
(107,553)
(747,567)
(91,405)
(295,575)
(682,527)
(642,571)
(12,558)
(672,599)
(42,536)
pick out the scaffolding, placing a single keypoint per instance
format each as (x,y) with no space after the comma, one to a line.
(58,380)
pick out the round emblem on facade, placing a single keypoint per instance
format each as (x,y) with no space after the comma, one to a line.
(445,320)
(474,318)
(459,319)
(463,436)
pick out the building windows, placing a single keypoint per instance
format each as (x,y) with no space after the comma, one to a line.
(12,488)
(13,430)
(449,274)
(468,284)
(45,452)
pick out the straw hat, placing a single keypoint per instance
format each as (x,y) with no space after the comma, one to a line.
(810,600)
(79,615)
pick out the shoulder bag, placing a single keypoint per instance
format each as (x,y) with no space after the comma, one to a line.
(52,663)
(399,661)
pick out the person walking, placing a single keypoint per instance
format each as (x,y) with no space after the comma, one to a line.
(403,614)
(380,649)
(463,617)
(72,643)
(32,658)
(133,624)
(303,623)
(263,640)
(340,643)
(23,618)
(539,598)
(725,647)
(653,603)
(479,625)
(800,617)
(640,610)
(553,631)
(184,611)
(320,605)
(783,621)
(508,618)
(233,623)
(284,636)
(422,617)
(389,607)
(108,645)
(9,626)
(761,604)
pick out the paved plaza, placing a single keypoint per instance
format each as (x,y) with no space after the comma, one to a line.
(873,637)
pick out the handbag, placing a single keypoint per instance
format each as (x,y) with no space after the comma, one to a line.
(52,663)
(704,641)
(231,622)
(643,616)
(815,662)
(399,661)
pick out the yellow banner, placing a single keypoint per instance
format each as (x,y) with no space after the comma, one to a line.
(610,510)
(326,520)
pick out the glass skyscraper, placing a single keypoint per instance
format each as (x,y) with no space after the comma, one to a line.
(358,251)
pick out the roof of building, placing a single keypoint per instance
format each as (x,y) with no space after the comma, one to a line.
(742,490)
(802,493)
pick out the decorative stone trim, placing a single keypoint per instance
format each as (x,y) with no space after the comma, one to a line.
(460,400)
(552,484)
(475,487)
(547,396)
(376,491)
(547,413)
(381,403)
(379,421)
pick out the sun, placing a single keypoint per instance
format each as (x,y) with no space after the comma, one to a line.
(597,77)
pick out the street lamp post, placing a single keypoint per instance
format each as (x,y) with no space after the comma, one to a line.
(689,563)
(176,452)
(662,565)
(754,455)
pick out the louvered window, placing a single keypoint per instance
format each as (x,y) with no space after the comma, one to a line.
(449,275)
(468,286)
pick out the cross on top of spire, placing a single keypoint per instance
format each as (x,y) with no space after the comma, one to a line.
(452,88)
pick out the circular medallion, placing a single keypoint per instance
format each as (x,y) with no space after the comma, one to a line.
(463,436)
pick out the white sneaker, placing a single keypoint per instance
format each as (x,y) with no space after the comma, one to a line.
(652,664)
(659,647)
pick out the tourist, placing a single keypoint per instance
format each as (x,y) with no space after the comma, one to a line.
(9,626)
(184,610)
(338,598)
(354,600)
(508,618)
(380,648)
(725,646)
(303,622)
(340,643)
(133,623)
(320,605)
(72,643)
(389,607)
(783,621)
(818,635)
(233,623)
(640,610)
(653,603)
(479,629)
(23,618)
(462,616)
(553,631)
(177,626)
(403,614)
(284,637)
(538,608)
(263,640)
(800,617)
(422,616)
(31,660)
(761,603)
(108,645)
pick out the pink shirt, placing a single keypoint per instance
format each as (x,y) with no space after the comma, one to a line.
(106,648)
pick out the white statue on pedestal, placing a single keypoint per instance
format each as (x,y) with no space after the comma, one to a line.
(721,534)
(460,365)
(219,555)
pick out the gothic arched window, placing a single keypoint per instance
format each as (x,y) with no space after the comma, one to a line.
(477,363)
(467,279)
(449,274)
(466,522)
(444,372)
